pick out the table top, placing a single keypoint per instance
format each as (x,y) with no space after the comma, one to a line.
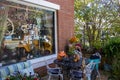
(68,63)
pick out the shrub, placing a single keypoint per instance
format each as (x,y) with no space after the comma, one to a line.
(112,55)
(111,48)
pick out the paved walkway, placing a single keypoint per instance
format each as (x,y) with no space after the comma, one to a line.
(104,76)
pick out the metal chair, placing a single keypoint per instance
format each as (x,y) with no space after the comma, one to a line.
(96,62)
(76,75)
(88,70)
(54,71)
(96,59)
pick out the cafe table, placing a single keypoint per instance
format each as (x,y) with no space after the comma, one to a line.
(67,64)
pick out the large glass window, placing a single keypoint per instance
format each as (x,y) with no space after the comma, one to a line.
(25,32)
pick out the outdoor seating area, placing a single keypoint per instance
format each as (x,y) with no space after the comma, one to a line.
(73,69)
(67,68)
(91,71)
(72,65)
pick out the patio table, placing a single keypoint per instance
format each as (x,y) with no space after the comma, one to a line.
(67,64)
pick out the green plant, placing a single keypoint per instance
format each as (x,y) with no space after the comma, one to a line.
(111,48)
(97,44)
(19,76)
(115,71)
(71,50)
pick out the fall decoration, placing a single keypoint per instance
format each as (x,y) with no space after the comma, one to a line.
(61,54)
(74,39)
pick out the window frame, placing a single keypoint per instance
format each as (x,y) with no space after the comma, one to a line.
(33,4)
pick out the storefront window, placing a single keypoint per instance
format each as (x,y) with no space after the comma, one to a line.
(25,32)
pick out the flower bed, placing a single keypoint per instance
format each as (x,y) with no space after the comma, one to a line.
(18,76)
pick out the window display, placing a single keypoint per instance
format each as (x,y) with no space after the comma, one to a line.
(25,32)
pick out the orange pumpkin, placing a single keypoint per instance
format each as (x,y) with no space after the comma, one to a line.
(61,54)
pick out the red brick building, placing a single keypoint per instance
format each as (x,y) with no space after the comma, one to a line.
(38,30)
(65,18)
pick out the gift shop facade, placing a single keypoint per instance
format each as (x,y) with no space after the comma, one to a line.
(34,30)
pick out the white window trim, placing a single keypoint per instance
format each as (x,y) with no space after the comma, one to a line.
(41,3)
(39,62)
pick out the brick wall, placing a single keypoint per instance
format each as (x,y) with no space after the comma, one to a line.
(65,21)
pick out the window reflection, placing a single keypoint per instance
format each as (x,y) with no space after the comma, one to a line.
(25,32)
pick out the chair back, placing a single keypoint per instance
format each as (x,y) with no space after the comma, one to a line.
(53,71)
(76,74)
(96,62)
(89,67)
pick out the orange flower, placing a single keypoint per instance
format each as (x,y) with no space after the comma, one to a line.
(73,39)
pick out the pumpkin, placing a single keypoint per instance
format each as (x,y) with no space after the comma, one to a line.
(61,54)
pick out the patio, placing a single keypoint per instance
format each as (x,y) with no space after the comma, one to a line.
(103,73)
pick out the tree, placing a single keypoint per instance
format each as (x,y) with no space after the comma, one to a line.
(79,22)
(96,17)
